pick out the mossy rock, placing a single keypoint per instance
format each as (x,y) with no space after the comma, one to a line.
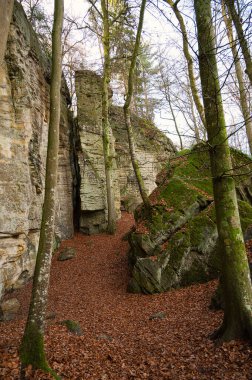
(67,253)
(73,327)
(177,243)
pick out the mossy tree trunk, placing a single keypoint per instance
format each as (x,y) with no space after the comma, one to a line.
(189,61)
(109,154)
(32,345)
(239,74)
(5,20)
(126,109)
(241,36)
(235,273)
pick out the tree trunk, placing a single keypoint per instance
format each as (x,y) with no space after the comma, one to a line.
(32,346)
(126,109)
(168,98)
(243,42)
(5,20)
(235,273)
(239,75)
(196,128)
(106,129)
(189,61)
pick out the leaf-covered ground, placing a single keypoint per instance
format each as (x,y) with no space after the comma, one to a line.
(121,338)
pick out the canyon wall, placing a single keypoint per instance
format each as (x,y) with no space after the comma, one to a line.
(24,113)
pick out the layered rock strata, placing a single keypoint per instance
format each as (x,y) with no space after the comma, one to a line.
(153,148)
(93,213)
(178,244)
(24,114)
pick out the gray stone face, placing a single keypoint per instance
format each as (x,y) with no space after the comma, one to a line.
(24,119)
(153,148)
(93,217)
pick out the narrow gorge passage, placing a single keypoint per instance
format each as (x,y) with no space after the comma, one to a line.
(122,337)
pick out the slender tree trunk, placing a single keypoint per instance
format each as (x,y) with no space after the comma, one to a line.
(196,128)
(239,75)
(5,20)
(168,98)
(32,346)
(106,129)
(241,36)
(126,109)
(189,61)
(235,273)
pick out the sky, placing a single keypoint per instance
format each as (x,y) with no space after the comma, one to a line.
(158,32)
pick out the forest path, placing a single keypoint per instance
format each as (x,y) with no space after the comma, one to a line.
(119,339)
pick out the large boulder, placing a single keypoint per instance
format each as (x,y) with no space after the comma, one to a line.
(176,244)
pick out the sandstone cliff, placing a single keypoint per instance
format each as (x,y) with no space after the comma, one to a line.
(153,149)
(24,113)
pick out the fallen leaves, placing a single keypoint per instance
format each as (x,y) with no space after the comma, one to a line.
(120,341)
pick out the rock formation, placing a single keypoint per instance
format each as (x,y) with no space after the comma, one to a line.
(178,245)
(93,213)
(153,149)
(24,116)
(24,113)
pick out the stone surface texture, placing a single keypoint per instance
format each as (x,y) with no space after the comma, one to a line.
(67,253)
(153,148)
(9,309)
(93,213)
(24,118)
(178,244)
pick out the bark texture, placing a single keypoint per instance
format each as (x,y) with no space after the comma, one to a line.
(241,36)
(108,146)
(32,345)
(235,275)
(126,109)
(5,19)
